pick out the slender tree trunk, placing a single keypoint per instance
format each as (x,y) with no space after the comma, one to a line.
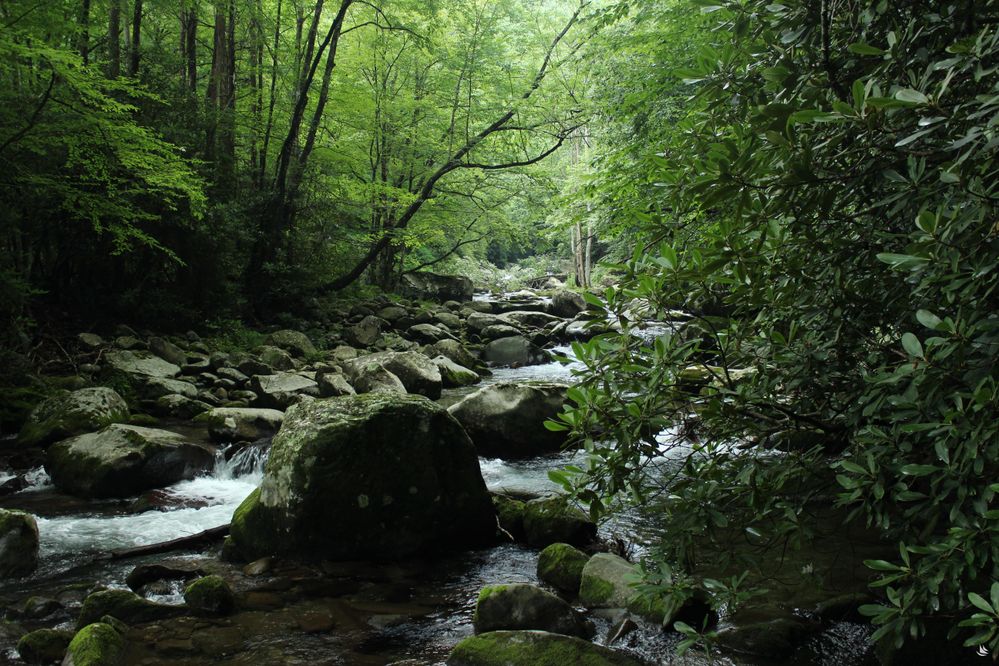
(272,99)
(84,41)
(114,40)
(133,60)
(256,89)
(189,45)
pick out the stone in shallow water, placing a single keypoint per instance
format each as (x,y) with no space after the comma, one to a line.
(376,476)
(18,543)
(71,414)
(534,648)
(522,606)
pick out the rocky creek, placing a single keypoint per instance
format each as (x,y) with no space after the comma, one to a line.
(416,607)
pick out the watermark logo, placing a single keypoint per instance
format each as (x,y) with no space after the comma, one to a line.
(983,651)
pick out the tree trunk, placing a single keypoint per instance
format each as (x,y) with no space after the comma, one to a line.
(133,59)
(114,40)
(189,46)
(84,41)
(273,99)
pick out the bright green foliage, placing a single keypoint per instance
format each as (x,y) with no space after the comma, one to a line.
(828,209)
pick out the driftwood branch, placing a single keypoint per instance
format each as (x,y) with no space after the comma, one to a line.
(201,538)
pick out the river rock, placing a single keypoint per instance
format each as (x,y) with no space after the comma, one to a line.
(179,406)
(776,639)
(455,351)
(71,414)
(241,424)
(375,476)
(426,286)
(294,342)
(561,566)
(141,363)
(522,606)
(18,543)
(534,648)
(567,303)
(157,387)
(124,460)
(510,516)
(393,313)
(333,384)
(416,372)
(364,333)
(44,646)
(96,644)
(477,321)
(168,351)
(126,606)
(375,378)
(274,358)
(506,420)
(210,595)
(454,375)
(283,389)
(549,520)
(514,351)
(497,331)
(608,580)
(427,334)
(448,319)
(90,340)
(530,319)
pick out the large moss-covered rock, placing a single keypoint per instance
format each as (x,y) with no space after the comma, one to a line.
(210,595)
(71,414)
(567,303)
(534,648)
(18,543)
(373,476)
(96,644)
(416,372)
(455,351)
(549,520)
(124,605)
(141,363)
(295,342)
(123,460)
(434,287)
(241,424)
(608,581)
(515,351)
(522,606)
(506,420)
(561,566)
(454,375)
(44,646)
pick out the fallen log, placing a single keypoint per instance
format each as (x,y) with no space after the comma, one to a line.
(208,536)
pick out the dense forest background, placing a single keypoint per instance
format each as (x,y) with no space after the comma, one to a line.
(813,184)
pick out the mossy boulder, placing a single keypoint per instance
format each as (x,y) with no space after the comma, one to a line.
(210,595)
(18,543)
(374,476)
(454,375)
(514,351)
(507,419)
(561,566)
(510,514)
(124,460)
(522,606)
(96,644)
(294,342)
(141,363)
(126,606)
(549,520)
(534,648)
(416,372)
(72,413)
(241,424)
(608,581)
(44,646)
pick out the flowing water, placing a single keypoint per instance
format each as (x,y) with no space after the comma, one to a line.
(415,610)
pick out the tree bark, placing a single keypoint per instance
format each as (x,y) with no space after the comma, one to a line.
(114,40)
(133,60)
(84,40)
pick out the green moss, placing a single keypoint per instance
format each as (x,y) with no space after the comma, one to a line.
(125,606)
(484,594)
(145,420)
(595,590)
(96,644)
(562,565)
(44,646)
(211,595)
(530,648)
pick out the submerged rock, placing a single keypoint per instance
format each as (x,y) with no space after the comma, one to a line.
(18,543)
(534,648)
(124,460)
(71,414)
(375,476)
(96,644)
(506,420)
(522,606)
(561,566)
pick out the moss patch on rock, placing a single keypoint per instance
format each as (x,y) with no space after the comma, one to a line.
(534,648)
(44,646)
(124,605)
(210,595)
(561,566)
(18,543)
(96,644)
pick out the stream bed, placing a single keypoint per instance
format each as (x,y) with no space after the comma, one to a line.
(339,613)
